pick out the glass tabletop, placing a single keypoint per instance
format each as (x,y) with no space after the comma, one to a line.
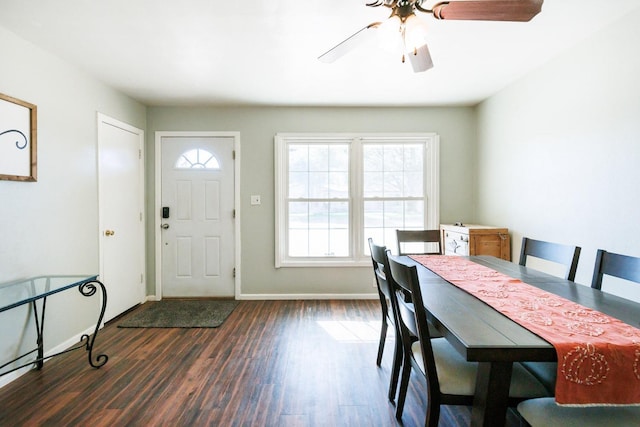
(18,292)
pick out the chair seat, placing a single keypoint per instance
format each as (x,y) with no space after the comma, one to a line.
(545,412)
(457,376)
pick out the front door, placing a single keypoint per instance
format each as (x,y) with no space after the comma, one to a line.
(197,216)
(121,201)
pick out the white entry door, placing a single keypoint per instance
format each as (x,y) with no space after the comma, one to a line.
(197,216)
(121,201)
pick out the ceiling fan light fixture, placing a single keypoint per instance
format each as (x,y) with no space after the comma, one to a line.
(415,33)
(389,34)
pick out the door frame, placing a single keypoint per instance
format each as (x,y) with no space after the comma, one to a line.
(103,118)
(158,201)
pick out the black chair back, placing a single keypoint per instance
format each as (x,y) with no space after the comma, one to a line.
(418,236)
(379,259)
(621,266)
(555,252)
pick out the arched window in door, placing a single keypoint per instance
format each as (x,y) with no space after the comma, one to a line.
(197,159)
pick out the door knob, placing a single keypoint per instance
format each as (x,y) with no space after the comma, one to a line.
(165,226)
(109,233)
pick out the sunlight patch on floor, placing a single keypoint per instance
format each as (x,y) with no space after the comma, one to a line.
(352,331)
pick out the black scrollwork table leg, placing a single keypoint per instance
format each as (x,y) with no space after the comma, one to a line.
(89,289)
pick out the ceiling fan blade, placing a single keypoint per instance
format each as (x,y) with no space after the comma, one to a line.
(488,10)
(420,59)
(349,44)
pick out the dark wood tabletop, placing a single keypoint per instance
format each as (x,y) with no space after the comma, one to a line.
(482,334)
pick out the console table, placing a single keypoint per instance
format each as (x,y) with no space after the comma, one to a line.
(34,292)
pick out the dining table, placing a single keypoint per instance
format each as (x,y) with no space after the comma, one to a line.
(482,334)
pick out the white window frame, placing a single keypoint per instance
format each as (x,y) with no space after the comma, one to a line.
(431,185)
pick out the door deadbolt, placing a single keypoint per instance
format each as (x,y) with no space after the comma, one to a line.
(109,233)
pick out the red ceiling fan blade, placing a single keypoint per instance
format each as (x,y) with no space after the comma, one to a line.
(488,10)
(420,59)
(349,44)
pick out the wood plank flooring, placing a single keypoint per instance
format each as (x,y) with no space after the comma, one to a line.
(272,363)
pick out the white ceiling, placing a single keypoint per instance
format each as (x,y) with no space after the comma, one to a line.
(264,52)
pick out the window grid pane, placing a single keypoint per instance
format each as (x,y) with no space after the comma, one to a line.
(197,159)
(318,219)
(393,190)
(318,229)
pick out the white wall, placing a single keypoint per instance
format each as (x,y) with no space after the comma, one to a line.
(51,226)
(559,151)
(257,126)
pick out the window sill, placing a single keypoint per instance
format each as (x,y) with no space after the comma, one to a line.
(324,263)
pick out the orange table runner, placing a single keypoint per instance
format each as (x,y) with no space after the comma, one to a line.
(598,355)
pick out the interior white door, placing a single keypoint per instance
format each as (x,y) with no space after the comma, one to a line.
(197,195)
(121,201)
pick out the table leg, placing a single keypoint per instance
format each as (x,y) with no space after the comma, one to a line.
(89,289)
(491,398)
(39,321)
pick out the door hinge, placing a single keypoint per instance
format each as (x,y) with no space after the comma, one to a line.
(140,216)
(139,154)
(234,272)
(233,154)
(141,278)
(234,214)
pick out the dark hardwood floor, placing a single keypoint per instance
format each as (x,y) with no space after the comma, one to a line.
(272,363)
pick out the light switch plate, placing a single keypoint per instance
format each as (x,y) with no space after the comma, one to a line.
(255,200)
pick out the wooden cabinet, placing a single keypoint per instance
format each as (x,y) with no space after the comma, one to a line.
(465,240)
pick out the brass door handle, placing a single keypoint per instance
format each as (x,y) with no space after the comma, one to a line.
(164,226)
(109,233)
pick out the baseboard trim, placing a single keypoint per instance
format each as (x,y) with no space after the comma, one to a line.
(74,340)
(306,296)
(6,379)
(293,296)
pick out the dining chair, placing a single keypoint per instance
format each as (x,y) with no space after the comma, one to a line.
(387,302)
(616,265)
(450,379)
(410,239)
(565,255)
(545,412)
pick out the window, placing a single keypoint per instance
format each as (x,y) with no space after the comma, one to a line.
(334,191)
(197,159)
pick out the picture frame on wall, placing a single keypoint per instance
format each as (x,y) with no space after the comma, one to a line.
(18,140)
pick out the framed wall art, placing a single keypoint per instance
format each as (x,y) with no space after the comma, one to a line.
(18,139)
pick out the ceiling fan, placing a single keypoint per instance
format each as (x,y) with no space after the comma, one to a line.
(409,30)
